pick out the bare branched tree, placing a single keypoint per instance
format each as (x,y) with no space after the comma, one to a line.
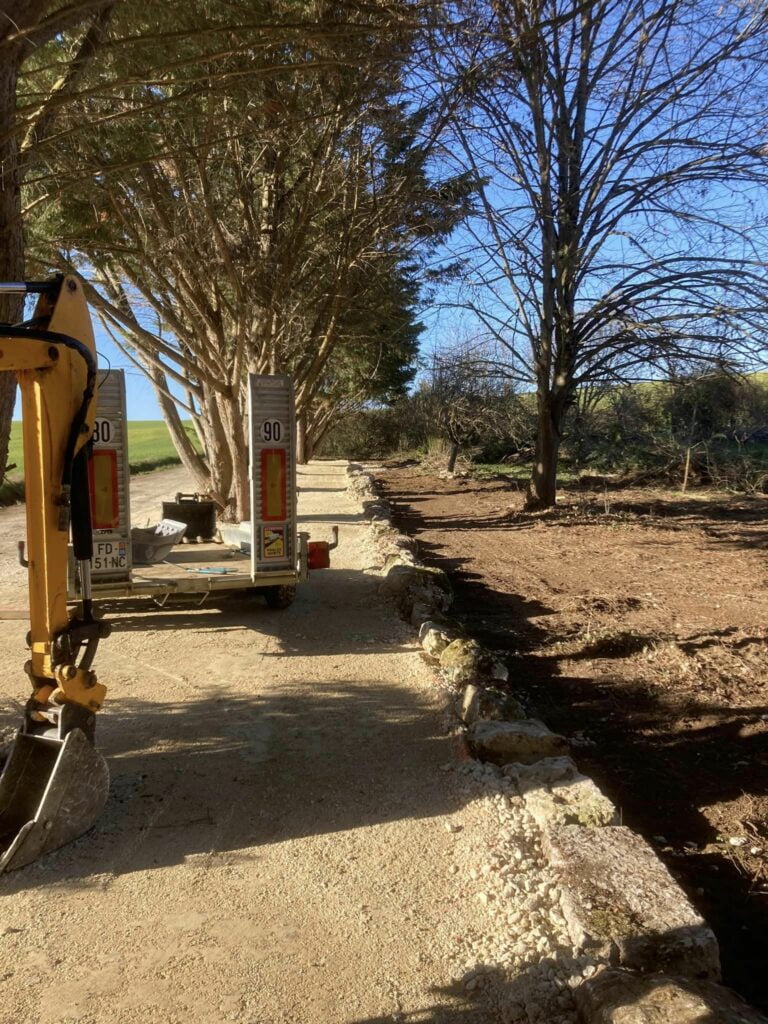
(621,151)
(464,398)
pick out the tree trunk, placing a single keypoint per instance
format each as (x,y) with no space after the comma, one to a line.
(302,440)
(190,458)
(687,470)
(454,454)
(239,504)
(11,239)
(317,433)
(217,454)
(542,489)
(7,404)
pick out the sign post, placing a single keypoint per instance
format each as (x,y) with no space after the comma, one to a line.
(272,428)
(110,484)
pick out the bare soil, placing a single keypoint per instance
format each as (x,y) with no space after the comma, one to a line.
(635,623)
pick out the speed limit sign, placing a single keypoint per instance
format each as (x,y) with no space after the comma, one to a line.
(272,431)
(103,431)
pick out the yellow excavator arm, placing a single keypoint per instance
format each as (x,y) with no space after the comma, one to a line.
(55,783)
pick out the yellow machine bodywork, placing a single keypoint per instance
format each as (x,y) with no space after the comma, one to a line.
(55,782)
(50,395)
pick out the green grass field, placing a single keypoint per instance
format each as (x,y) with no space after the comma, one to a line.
(149,447)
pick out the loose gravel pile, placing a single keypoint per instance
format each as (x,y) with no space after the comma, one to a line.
(523,964)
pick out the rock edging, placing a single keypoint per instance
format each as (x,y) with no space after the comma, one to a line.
(659,961)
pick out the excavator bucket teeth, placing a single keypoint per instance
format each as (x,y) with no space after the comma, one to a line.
(51,792)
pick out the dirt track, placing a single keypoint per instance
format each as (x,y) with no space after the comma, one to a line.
(275,846)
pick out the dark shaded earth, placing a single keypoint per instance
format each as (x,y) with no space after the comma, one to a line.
(635,623)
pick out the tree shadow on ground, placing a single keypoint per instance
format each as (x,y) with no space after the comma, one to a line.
(295,629)
(350,518)
(501,995)
(662,764)
(322,490)
(225,771)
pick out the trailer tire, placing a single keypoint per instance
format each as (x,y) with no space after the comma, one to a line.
(279,597)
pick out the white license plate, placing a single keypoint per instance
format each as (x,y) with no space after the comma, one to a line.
(110,556)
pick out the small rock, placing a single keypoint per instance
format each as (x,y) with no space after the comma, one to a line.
(397,557)
(409,585)
(524,741)
(622,905)
(419,614)
(466,661)
(434,638)
(622,997)
(556,793)
(478,702)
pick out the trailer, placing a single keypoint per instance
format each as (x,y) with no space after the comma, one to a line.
(266,554)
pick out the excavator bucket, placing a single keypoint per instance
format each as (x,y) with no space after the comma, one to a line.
(51,791)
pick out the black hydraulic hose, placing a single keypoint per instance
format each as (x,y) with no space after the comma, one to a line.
(82,534)
(56,338)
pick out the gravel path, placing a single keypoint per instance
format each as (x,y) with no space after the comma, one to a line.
(289,836)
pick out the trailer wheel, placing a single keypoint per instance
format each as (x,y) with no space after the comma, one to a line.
(279,597)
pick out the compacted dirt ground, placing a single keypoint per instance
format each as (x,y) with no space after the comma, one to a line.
(283,830)
(635,622)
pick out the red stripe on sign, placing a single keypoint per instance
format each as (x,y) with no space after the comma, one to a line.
(105,500)
(273,485)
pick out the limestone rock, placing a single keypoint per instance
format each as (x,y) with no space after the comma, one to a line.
(409,585)
(382,530)
(405,543)
(623,997)
(525,741)
(388,540)
(465,661)
(622,905)
(362,485)
(545,773)
(478,702)
(420,613)
(397,557)
(435,638)
(430,624)
(377,510)
(555,793)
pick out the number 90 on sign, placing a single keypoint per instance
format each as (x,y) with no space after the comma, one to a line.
(272,431)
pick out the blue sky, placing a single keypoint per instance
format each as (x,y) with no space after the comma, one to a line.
(142,404)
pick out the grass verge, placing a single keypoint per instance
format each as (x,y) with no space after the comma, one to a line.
(149,448)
